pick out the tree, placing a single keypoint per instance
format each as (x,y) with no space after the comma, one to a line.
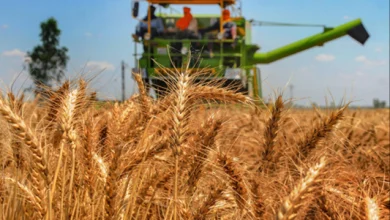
(379,104)
(48,61)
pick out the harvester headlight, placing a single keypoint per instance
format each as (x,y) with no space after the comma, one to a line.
(233,73)
(184,50)
(244,79)
(147,36)
(220,36)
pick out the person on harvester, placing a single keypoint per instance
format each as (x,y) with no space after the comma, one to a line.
(187,28)
(157,29)
(229,29)
(156,24)
(187,24)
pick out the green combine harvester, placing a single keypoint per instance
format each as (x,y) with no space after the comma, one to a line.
(237,66)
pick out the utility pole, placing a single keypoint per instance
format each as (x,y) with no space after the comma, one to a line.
(123,81)
(291,91)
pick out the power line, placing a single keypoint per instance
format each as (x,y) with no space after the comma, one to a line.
(291,91)
(270,23)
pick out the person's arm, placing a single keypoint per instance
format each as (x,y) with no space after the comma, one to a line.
(138,29)
(160,25)
(142,25)
(213,27)
(234,31)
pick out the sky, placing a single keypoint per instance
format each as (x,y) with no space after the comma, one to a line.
(98,36)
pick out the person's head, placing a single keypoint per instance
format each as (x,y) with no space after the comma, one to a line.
(225,14)
(152,9)
(187,10)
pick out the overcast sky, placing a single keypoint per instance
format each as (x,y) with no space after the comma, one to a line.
(98,36)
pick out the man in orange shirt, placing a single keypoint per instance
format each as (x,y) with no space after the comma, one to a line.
(229,30)
(187,27)
(187,23)
(183,23)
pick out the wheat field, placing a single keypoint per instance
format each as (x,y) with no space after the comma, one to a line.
(179,158)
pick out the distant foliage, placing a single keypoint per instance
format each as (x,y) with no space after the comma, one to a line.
(379,104)
(48,60)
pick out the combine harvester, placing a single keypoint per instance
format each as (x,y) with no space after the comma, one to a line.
(236,66)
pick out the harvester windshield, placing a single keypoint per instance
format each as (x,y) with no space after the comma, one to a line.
(166,3)
(193,2)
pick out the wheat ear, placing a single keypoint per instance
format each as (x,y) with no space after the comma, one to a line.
(146,103)
(40,172)
(271,132)
(111,187)
(210,201)
(236,179)
(291,204)
(28,194)
(180,118)
(210,130)
(372,209)
(320,131)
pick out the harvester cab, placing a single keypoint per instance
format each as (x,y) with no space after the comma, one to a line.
(231,58)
